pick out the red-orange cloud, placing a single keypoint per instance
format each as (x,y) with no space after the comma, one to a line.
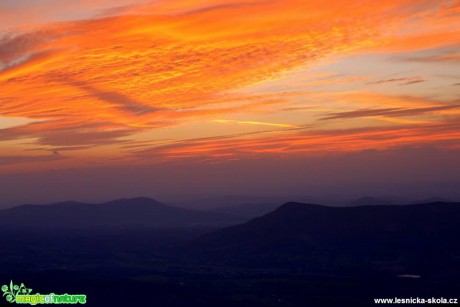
(102,81)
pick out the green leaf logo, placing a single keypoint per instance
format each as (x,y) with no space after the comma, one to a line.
(10,292)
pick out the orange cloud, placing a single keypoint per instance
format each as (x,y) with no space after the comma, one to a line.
(226,121)
(400,81)
(310,143)
(103,80)
(387,112)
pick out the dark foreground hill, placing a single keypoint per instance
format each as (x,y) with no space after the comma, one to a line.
(299,255)
(135,212)
(399,239)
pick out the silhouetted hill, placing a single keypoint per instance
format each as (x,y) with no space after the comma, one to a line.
(135,212)
(432,200)
(314,237)
(298,255)
(248,210)
(215,204)
(372,201)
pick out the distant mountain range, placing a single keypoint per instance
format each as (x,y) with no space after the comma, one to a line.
(313,237)
(297,255)
(135,212)
(373,201)
(249,210)
(256,209)
(376,201)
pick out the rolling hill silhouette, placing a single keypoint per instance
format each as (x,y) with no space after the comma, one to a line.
(135,212)
(248,210)
(304,254)
(314,237)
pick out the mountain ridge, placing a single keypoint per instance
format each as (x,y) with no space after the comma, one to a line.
(297,234)
(126,212)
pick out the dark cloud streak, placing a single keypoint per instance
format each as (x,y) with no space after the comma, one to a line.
(387,112)
(120,100)
(400,81)
(8,160)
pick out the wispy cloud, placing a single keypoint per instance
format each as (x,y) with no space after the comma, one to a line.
(309,142)
(447,55)
(9,160)
(388,112)
(256,123)
(453,58)
(121,101)
(98,80)
(400,81)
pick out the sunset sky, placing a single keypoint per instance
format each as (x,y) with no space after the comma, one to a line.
(228,97)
